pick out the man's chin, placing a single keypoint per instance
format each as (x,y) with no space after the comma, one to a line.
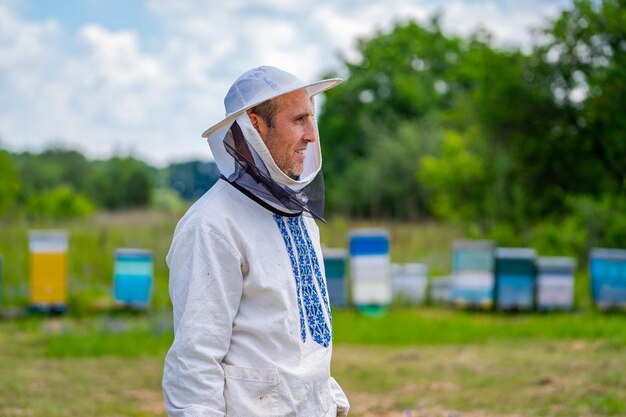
(295,174)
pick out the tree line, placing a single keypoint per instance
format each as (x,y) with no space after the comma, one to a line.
(503,140)
(63,183)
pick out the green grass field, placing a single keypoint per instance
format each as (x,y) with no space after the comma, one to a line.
(428,361)
(433,361)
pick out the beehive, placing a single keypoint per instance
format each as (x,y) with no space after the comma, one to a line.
(369,267)
(409,282)
(132,277)
(516,273)
(335,269)
(555,283)
(473,280)
(607,269)
(48,269)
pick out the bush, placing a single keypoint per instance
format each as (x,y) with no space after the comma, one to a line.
(589,222)
(564,237)
(58,203)
(167,199)
(604,218)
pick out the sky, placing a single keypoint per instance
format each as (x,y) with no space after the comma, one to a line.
(147,77)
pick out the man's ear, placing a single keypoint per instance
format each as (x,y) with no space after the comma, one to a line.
(258,123)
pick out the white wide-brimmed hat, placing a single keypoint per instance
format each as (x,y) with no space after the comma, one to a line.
(262,84)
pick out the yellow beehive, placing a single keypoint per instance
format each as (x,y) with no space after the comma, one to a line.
(48,268)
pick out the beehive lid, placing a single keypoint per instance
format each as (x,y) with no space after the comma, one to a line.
(515,253)
(47,240)
(556,262)
(132,253)
(473,244)
(606,253)
(334,253)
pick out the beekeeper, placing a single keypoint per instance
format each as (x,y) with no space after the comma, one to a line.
(252,318)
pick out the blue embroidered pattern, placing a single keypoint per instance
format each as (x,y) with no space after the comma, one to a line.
(307,292)
(321,283)
(294,269)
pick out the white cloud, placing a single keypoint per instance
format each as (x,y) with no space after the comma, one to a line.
(101,93)
(510,24)
(104,91)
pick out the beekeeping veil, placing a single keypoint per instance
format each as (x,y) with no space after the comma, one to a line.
(244,160)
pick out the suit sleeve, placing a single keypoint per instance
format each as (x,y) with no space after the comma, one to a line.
(343,406)
(205,288)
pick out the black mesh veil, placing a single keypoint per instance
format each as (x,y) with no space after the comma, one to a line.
(252,175)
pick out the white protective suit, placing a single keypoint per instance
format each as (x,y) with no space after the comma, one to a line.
(252,316)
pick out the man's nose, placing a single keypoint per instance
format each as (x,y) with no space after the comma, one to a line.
(309,131)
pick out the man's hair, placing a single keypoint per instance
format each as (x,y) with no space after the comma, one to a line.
(267,110)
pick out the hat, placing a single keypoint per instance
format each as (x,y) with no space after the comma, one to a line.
(262,84)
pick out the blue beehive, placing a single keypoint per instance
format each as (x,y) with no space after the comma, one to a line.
(555,283)
(473,279)
(516,273)
(132,277)
(370,269)
(335,269)
(607,268)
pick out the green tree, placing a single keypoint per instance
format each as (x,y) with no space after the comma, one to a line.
(382,182)
(10,183)
(458,179)
(586,54)
(543,126)
(381,121)
(121,183)
(52,168)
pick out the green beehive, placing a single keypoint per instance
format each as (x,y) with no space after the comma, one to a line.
(516,272)
(335,269)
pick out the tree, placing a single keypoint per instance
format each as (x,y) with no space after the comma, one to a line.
(380,122)
(193,178)
(458,179)
(121,183)
(52,168)
(586,54)
(543,126)
(10,184)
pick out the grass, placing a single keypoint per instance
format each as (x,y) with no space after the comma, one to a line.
(435,362)
(524,378)
(135,335)
(436,326)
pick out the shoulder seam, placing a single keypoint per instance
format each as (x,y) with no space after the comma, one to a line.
(211,230)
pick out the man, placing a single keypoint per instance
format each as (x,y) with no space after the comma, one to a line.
(252,319)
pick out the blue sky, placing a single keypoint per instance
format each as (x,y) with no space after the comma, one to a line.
(146,77)
(113,14)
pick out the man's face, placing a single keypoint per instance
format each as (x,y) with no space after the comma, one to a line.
(293,130)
